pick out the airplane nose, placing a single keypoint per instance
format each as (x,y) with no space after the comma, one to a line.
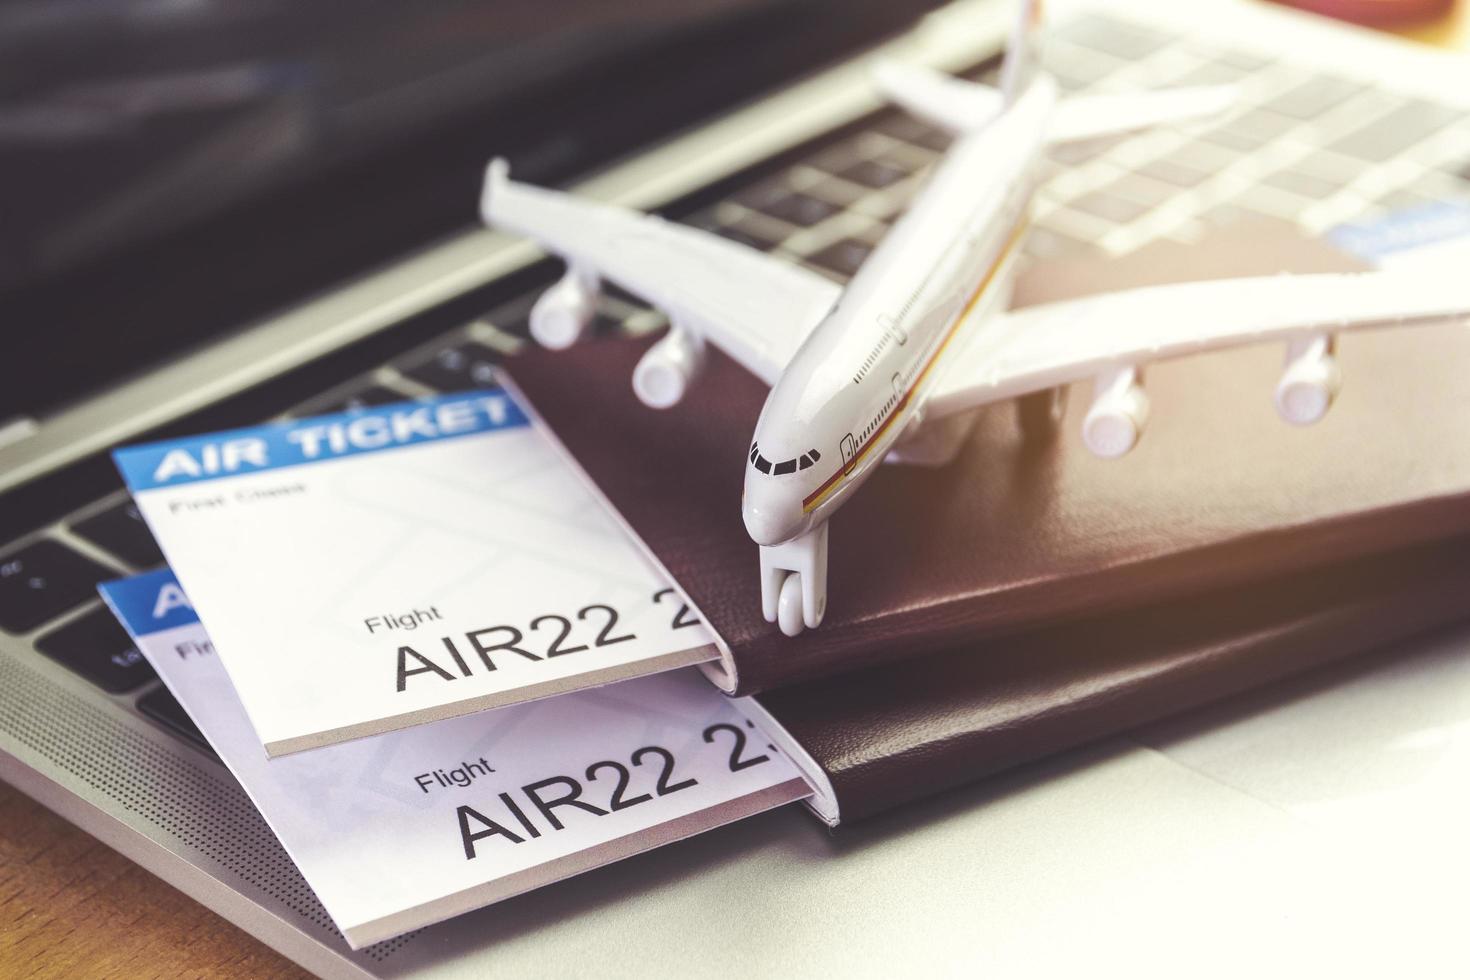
(771,516)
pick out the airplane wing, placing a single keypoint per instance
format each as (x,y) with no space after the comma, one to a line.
(1083,117)
(953,104)
(756,308)
(1054,344)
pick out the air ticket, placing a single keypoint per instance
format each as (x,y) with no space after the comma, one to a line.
(372,570)
(399,830)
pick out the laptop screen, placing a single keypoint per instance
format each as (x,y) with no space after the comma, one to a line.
(170,168)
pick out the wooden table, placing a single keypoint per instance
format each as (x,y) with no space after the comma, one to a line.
(72,907)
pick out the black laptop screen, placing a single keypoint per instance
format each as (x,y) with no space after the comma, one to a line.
(174,167)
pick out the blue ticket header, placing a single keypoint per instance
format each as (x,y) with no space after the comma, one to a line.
(149,602)
(291,443)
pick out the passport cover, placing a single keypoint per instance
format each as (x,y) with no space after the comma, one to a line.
(872,740)
(1016,534)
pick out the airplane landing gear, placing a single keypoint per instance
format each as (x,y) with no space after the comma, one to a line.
(794,581)
(789,614)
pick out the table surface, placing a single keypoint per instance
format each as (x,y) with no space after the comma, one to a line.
(70,906)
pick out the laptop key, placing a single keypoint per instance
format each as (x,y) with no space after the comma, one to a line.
(1315,96)
(164,708)
(911,130)
(1308,185)
(1048,243)
(122,531)
(1076,153)
(798,209)
(96,647)
(749,234)
(751,230)
(1262,123)
(1122,39)
(1396,130)
(366,398)
(1241,139)
(1404,199)
(1109,207)
(1211,73)
(465,365)
(1174,172)
(43,580)
(844,257)
(1244,60)
(513,318)
(1143,190)
(874,173)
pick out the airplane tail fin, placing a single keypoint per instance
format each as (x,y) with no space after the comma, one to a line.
(959,106)
(497,179)
(1023,51)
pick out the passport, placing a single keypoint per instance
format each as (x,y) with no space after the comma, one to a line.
(1018,534)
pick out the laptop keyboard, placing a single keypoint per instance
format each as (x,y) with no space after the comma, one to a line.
(1310,148)
(96,646)
(121,530)
(42,580)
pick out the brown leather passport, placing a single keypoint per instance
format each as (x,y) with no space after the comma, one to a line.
(878,738)
(1015,535)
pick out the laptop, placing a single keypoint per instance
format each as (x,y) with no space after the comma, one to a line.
(221,214)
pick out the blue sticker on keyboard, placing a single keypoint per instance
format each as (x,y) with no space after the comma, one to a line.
(1426,224)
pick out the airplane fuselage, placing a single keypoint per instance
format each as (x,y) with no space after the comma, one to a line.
(857,386)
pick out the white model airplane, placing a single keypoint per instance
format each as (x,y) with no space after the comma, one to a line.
(893,365)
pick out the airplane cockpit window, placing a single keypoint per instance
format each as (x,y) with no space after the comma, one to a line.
(804,461)
(759,461)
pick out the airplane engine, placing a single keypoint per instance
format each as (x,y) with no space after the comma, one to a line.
(1118,414)
(664,374)
(1310,380)
(563,313)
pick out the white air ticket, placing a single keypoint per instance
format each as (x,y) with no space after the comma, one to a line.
(377,569)
(396,831)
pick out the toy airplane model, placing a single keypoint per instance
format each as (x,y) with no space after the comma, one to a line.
(893,365)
